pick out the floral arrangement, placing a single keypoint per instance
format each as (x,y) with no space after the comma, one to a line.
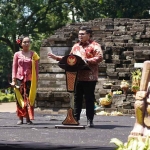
(106,100)
(108,96)
(124,83)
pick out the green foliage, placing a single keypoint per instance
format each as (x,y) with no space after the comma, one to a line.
(5,65)
(85,9)
(132,144)
(135,87)
(10,97)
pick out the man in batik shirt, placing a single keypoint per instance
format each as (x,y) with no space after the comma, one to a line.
(91,52)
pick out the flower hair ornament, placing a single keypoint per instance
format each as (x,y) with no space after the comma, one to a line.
(18,41)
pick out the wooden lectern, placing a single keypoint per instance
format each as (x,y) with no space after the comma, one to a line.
(71,64)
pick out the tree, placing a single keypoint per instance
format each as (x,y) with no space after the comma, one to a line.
(29,17)
(85,10)
(138,9)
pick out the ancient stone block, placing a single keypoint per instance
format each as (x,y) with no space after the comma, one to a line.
(115,57)
(122,69)
(141,47)
(111,70)
(44,95)
(67,97)
(117,33)
(115,87)
(95,28)
(111,65)
(116,61)
(50,68)
(120,28)
(126,37)
(126,105)
(102,74)
(109,44)
(142,58)
(147,36)
(102,69)
(118,40)
(112,74)
(118,100)
(103,92)
(129,57)
(145,21)
(107,19)
(49,104)
(121,20)
(102,64)
(123,74)
(146,52)
(120,44)
(107,56)
(116,50)
(109,110)
(58,104)
(41,103)
(138,52)
(65,105)
(126,61)
(130,98)
(108,49)
(128,53)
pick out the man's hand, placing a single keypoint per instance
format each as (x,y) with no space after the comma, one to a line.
(51,55)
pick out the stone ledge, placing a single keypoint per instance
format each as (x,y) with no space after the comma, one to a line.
(51,111)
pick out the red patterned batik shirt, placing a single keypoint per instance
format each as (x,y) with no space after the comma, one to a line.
(91,51)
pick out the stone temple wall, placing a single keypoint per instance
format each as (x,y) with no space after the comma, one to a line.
(124,42)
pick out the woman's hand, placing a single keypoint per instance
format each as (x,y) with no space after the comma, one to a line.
(13,83)
(51,55)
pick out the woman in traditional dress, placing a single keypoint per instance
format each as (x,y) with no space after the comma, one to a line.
(24,79)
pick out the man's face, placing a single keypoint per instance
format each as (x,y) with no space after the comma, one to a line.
(83,36)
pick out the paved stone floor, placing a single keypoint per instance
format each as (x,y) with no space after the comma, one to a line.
(43,134)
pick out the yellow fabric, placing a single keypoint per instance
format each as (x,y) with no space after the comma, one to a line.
(32,94)
(19,97)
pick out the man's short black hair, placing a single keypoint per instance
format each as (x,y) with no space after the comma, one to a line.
(87,29)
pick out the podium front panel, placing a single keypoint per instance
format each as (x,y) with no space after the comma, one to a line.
(71,80)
